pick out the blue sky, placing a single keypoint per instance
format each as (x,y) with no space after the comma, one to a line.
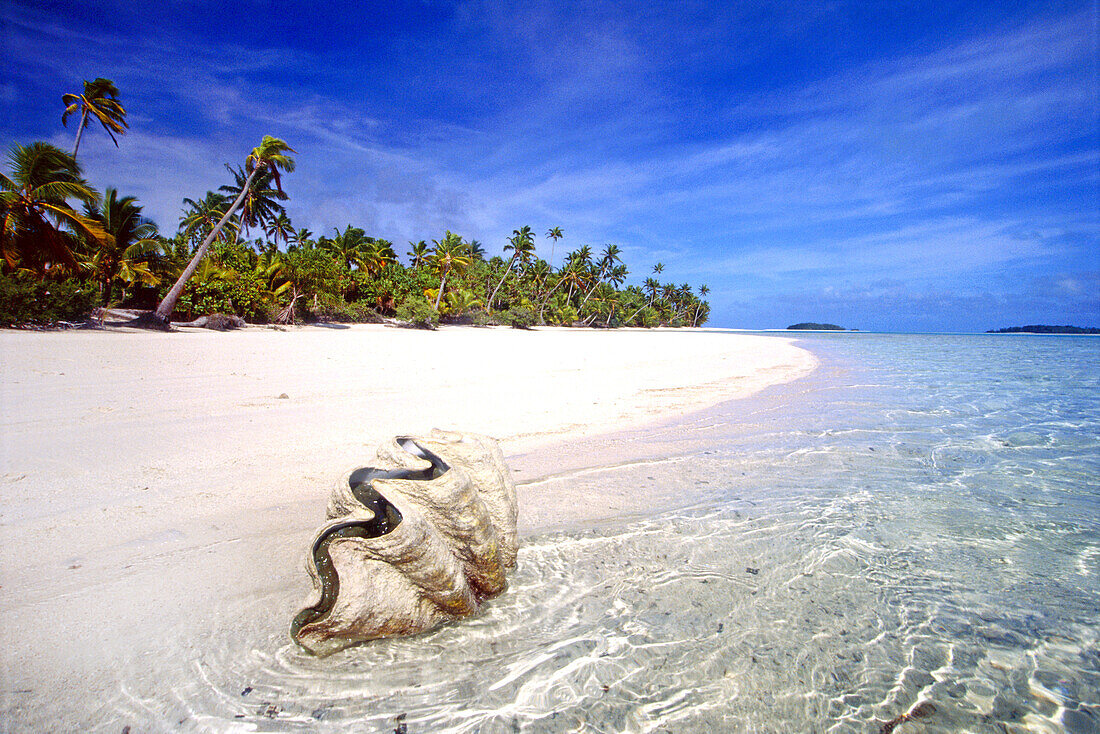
(881,165)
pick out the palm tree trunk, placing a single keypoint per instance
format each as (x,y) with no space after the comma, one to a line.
(442,285)
(164,310)
(547,299)
(595,283)
(631,316)
(489,304)
(79,131)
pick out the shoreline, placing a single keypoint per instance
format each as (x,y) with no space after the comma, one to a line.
(163,473)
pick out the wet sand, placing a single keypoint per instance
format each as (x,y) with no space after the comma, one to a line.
(147,478)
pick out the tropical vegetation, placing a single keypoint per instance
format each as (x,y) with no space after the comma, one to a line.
(67,248)
(815,326)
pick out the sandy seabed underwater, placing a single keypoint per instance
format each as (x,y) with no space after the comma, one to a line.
(915,527)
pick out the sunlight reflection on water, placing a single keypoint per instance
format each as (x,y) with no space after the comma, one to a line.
(917,522)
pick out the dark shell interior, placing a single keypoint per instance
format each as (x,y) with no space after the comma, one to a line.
(386,518)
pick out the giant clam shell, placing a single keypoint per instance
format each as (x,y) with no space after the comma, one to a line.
(420,539)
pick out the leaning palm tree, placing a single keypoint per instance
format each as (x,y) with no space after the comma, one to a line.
(571,274)
(38,227)
(578,276)
(703,291)
(652,286)
(608,260)
(132,240)
(450,253)
(268,157)
(100,100)
(522,244)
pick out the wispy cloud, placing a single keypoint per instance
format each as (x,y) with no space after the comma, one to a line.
(971,159)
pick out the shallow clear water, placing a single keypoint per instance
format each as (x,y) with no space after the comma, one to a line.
(918,521)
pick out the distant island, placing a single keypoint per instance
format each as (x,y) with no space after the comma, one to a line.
(811,326)
(1043,329)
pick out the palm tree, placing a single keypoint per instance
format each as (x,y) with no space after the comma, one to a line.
(374,255)
(347,246)
(35,210)
(261,202)
(418,254)
(651,285)
(268,269)
(268,156)
(570,273)
(280,228)
(450,253)
(604,298)
(201,217)
(617,275)
(536,274)
(684,299)
(303,237)
(608,260)
(522,244)
(459,302)
(703,291)
(578,275)
(132,238)
(554,233)
(100,99)
(477,252)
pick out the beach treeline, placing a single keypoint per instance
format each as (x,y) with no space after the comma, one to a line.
(68,248)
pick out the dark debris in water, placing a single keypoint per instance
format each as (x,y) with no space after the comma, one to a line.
(753,571)
(246,691)
(920,711)
(402,728)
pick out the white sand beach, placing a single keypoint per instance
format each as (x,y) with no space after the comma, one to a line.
(148,477)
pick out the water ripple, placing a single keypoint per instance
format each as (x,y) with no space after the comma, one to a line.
(917,533)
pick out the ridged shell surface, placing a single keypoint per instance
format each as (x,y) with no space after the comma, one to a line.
(418,539)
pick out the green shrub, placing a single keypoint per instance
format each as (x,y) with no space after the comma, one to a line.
(240,293)
(335,309)
(44,302)
(481,318)
(362,312)
(520,317)
(419,313)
